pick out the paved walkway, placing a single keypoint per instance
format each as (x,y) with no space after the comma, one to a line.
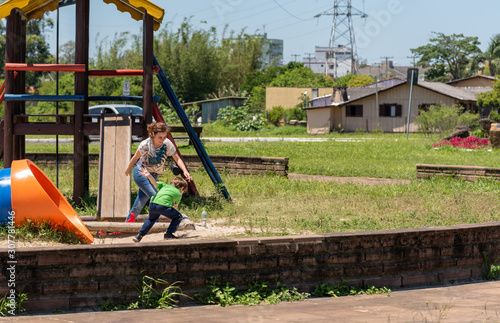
(223,139)
(474,302)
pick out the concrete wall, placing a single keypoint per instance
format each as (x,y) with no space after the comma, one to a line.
(470,173)
(82,277)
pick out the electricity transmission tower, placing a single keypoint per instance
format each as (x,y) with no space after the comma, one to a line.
(342,52)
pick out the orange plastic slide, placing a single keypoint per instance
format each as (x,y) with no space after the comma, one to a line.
(35,197)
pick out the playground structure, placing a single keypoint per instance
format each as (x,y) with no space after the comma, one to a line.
(17,123)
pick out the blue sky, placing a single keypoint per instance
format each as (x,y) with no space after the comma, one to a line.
(391,29)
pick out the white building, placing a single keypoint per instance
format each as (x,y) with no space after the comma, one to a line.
(325,62)
(272,52)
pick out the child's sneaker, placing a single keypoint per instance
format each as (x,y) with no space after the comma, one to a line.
(137,238)
(169,236)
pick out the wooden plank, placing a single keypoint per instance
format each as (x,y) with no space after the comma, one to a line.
(107,167)
(123,145)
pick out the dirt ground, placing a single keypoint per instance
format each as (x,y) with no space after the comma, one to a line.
(213,230)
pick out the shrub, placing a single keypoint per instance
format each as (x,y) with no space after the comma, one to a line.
(495,116)
(276,115)
(296,113)
(240,118)
(443,119)
(169,114)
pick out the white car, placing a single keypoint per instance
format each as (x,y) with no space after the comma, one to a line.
(115,109)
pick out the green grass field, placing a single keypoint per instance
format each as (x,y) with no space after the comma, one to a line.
(272,205)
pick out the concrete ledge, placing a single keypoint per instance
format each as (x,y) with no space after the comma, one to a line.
(470,173)
(83,276)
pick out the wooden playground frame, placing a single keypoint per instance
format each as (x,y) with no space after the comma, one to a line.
(16,122)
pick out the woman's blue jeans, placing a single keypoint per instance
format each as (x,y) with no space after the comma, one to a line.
(146,191)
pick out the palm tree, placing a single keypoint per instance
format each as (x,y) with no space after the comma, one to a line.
(492,55)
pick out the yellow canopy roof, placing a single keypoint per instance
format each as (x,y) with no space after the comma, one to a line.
(34,9)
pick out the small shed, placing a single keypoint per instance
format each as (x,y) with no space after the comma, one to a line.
(210,108)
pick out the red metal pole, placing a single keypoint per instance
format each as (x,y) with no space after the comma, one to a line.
(115,73)
(45,67)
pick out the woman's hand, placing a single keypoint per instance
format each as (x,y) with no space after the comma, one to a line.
(144,172)
(187,176)
(127,171)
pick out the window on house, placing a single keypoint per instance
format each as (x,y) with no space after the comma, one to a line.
(354,111)
(390,110)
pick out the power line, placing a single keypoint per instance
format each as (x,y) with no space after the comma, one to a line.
(288,12)
(295,57)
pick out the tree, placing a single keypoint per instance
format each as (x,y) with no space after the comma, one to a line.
(454,52)
(302,77)
(353,80)
(67,53)
(37,49)
(490,98)
(239,55)
(492,55)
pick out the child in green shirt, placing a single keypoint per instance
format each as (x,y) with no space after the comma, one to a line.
(165,202)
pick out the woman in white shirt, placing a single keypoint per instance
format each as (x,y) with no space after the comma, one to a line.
(152,153)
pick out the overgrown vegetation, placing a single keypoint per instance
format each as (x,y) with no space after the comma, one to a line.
(149,296)
(224,294)
(490,271)
(43,231)
(13,306)
(240,119)
(343,289)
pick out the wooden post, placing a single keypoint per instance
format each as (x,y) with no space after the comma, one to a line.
(147,81)
(81,149)
(14,43)
(20,80)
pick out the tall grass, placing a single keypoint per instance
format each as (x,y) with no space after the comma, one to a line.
(273,205)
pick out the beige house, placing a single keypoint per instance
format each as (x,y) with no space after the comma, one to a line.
(289,97)
(354,109)
(476,81)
